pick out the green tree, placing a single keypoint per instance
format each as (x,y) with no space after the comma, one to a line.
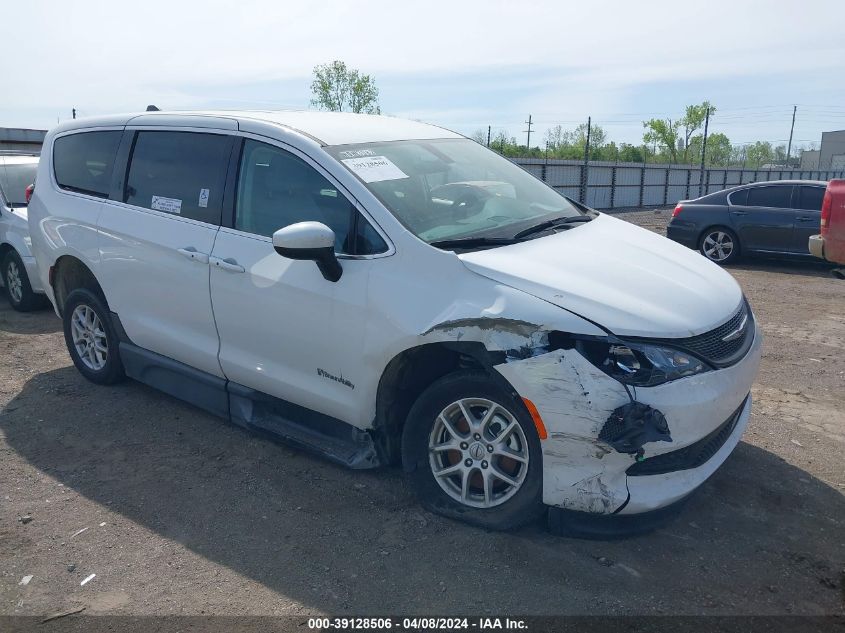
(663,133)
(578,137)
(719,149)
(759,153)
(693,120)
(554,138)
(630,154)
(339,89)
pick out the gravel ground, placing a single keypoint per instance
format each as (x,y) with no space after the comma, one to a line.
(177,512)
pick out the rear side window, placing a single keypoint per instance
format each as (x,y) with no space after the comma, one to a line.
(739,197)
(811,198)
(181,173)
(776,196)
(83,162)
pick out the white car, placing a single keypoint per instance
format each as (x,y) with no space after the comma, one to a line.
(381,290)
(19,273)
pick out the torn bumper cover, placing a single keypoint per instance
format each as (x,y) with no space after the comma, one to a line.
(584,472)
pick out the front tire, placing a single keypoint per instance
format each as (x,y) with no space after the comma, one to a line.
(471,452)
(91,338)
(18,289)
(719,244)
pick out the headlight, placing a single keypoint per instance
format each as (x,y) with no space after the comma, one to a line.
(640,364)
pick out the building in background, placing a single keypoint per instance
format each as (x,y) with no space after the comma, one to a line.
(810,159)
(832,151)
(21,140)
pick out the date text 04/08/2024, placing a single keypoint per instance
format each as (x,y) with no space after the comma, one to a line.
(417,624)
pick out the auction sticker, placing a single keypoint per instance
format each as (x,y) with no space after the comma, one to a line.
(374,168)
(168,205)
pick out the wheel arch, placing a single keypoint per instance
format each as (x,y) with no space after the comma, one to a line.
(411,371)
(5,247)
(70,273)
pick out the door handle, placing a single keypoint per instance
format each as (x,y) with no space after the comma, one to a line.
(228,264)
(740,212)
(804,218)
(193,254)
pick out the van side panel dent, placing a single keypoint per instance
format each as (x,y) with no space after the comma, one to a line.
(519,339)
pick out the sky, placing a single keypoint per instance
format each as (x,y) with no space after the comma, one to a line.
(460,64)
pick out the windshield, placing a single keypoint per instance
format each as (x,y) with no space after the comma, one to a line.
(14,179)
(452,188)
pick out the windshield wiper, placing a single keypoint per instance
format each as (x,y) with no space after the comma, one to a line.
(473,242)
(549,224)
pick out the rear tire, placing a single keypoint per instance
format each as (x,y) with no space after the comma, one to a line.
(91,338)
(491,473)
(18,289)
(719,244)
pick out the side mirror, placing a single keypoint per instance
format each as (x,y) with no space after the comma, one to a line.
(309,240)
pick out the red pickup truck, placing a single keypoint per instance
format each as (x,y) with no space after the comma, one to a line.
(830,245)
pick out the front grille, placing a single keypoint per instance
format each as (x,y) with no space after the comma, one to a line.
(691,456)
(711,345)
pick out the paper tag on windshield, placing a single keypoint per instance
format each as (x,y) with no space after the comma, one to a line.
(203,202)
(374,168)
(168,205)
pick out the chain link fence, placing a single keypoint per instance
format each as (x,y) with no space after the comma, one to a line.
(607,185)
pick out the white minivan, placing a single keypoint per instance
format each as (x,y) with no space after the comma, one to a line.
(384,291)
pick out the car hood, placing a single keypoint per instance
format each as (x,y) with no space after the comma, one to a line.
(627,279)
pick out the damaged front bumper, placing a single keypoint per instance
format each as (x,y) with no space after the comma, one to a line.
(706,415)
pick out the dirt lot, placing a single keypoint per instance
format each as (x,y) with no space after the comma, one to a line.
(184,514)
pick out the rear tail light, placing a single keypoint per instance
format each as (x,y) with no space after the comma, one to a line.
(28,193)
(827,207)
(677,211)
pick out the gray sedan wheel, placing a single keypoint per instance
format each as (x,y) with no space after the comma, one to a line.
(719,245)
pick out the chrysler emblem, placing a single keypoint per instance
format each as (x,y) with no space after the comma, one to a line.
(732,336)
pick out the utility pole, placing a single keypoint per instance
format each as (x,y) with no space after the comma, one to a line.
(488,136)
(703,153)
(586,167)
(528,140)
(587,144)
(791,130)
(74,113)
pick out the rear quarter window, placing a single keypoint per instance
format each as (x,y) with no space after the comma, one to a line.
(739,197)
(84,161)
(811,198)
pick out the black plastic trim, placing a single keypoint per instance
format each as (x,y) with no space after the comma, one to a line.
(230,191)
(692,456)
(177,379)
(318,433)
(299,426)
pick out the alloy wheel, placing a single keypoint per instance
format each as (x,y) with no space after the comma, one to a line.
(14,282)
(89,337)
(718,246)
(478,452)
